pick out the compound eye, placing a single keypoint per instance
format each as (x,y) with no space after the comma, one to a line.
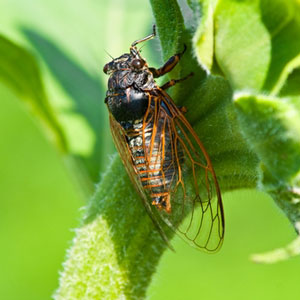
(138,63)
(105,69)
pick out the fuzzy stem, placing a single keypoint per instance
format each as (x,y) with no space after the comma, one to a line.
(117,249)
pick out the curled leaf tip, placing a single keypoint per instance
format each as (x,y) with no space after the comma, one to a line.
(278,255)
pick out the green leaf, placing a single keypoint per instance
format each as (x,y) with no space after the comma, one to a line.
(277,255)
(242,44)
(170,25)
(204,38)
(289,80)
(272,128)
(85,92)
(39,204)
(271,125)
(19,70)
(284,37)
(291,86)
(253,40)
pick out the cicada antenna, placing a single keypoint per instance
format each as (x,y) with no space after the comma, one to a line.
(147,38)
(108,54)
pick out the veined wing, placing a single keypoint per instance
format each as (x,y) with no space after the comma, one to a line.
(119,137)
(195,198)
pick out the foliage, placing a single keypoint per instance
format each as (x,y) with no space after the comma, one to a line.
(19,70)
(243,102)
(225,44)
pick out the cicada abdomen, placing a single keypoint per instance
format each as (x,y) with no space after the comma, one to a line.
(153,155)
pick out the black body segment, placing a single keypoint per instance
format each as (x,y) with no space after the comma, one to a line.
(127,105)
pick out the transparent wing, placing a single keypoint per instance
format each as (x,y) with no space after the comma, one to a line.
(196,205)
(119,138)
(196,210)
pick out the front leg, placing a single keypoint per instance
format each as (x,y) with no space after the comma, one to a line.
(168,66)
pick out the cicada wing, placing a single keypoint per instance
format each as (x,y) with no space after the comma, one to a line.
(120,141)
(196,205)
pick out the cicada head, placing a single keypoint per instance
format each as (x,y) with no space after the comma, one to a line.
(128,61)
(125,97)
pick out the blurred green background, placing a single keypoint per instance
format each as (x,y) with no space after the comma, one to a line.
(41,195)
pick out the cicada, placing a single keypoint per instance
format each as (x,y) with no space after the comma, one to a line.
(161,152)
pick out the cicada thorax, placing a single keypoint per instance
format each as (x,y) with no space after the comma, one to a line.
(124,99)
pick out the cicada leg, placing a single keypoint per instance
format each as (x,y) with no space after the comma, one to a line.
(168,66)
(183,109)
(174,81)
(147,38)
